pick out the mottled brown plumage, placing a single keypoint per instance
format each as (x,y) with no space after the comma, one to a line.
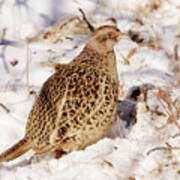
(77,105)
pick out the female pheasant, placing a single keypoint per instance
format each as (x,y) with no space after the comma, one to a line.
(77,105)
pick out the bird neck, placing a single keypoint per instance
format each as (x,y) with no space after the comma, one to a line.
(103,59)
(101,48)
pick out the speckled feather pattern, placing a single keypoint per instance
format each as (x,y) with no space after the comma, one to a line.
(78,99)
(77,105)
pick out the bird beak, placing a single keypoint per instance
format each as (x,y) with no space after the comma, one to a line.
(123,36)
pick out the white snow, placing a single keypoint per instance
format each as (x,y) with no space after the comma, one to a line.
(150,149)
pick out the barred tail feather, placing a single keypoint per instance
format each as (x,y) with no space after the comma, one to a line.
(16,150)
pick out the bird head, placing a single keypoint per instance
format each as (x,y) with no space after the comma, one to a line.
(105,37)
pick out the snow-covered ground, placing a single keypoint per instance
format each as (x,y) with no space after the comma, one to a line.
(37,31)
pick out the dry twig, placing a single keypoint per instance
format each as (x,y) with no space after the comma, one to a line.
(5,108)
(27,69)
(86,21)
(168,148)
(176,55)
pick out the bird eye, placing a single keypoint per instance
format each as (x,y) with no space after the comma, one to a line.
(110,34)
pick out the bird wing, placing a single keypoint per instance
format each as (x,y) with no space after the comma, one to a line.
(82,91)
(43,114)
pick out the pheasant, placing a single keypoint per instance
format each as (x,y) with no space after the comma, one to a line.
(77,105)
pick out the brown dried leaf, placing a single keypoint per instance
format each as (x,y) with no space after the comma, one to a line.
(131,53)
(161,95)
(131,178)
(14,62)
